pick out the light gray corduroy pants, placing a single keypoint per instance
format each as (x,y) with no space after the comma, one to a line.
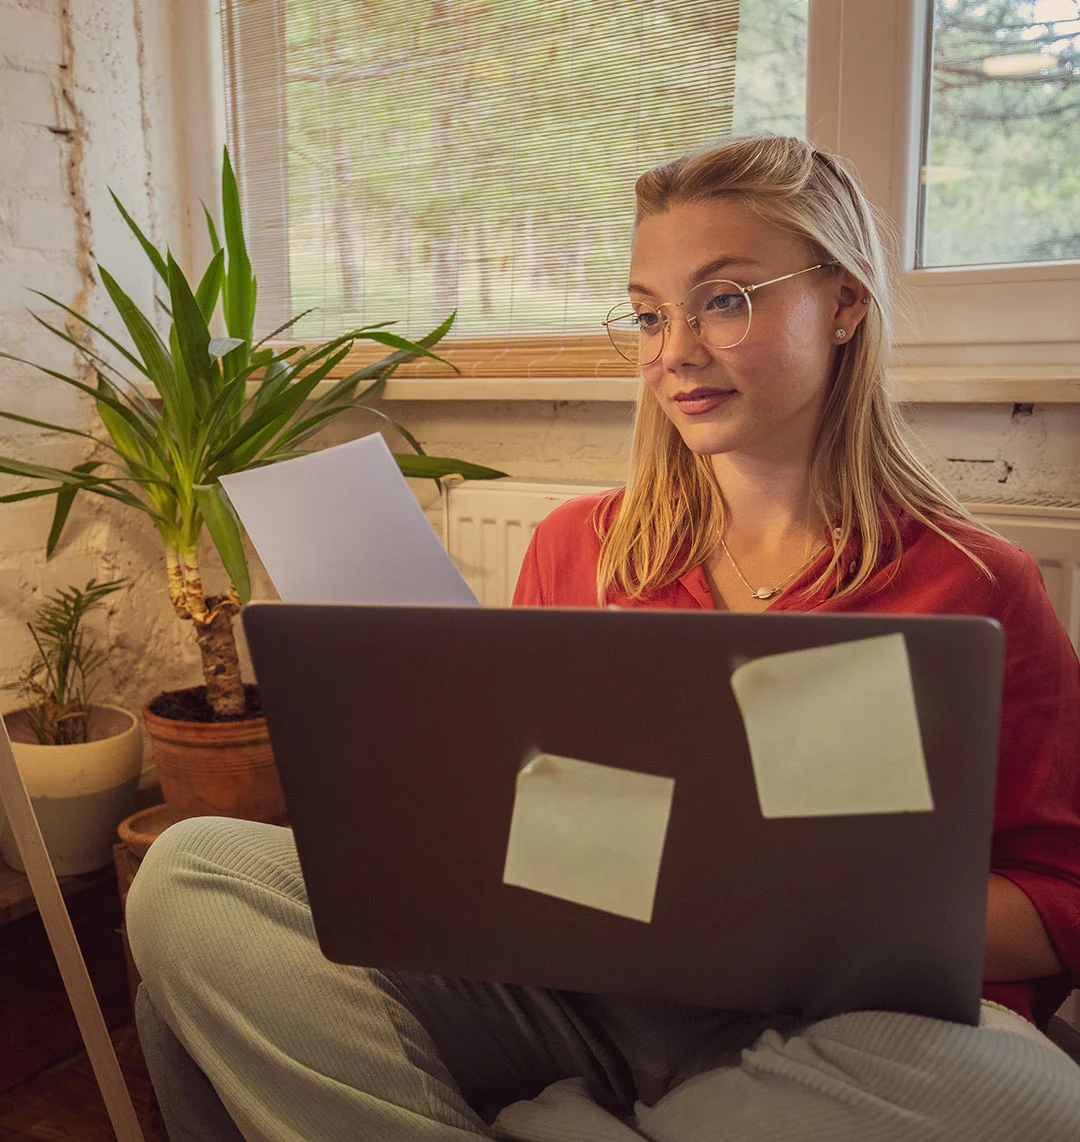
(298,1049)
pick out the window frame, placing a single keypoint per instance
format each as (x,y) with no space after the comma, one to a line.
(872,109)
(866,80)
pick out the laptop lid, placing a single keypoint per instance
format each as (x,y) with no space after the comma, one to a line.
(400,733)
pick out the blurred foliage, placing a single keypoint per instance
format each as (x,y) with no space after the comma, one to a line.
(1003,164)
(479,155)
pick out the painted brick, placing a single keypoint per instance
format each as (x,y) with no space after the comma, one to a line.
(43,224)
(37,273)
(31,38)
(32,161)
(27,97)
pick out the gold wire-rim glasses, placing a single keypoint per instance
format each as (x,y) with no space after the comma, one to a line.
(692,318)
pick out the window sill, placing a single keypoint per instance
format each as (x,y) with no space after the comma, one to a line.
(915,384)
(911,384)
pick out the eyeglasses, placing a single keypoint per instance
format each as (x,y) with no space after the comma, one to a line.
(719,312)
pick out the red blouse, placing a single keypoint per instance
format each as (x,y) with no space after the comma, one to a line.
(1036,841)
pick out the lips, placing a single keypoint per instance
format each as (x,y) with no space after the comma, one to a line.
(702,400)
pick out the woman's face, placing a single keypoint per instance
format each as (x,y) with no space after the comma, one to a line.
(763,396)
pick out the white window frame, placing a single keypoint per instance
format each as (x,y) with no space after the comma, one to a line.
(980,334)
(867,78)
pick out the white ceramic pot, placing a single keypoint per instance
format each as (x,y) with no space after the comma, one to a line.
(80,792)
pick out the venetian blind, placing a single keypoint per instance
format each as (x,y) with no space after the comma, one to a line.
(407,158)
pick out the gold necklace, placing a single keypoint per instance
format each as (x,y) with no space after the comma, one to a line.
(766,592)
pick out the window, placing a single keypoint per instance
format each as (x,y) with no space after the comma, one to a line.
(401,159)
(404,160)
(870,67)
(1001,166)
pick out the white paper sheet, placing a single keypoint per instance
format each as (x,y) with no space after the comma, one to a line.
(591,834)
(834,730)
(342,526)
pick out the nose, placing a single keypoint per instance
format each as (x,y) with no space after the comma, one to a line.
(682,346)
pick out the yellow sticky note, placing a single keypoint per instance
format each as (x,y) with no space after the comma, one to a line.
(592,834)
(834,730)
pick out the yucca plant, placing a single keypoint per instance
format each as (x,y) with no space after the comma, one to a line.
(190,407)
(57,684)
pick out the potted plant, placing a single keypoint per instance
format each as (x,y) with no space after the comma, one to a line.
(180,411)
(80,760)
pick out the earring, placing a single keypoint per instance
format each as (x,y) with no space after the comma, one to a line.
(840,334)
(866,301)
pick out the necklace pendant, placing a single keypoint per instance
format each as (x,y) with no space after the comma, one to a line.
(764,592)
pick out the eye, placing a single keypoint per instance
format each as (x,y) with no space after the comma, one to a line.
(723,303)
(647,320)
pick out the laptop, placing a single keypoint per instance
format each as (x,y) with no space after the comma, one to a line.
(401,734)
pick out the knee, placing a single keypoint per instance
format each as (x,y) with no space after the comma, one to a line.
(173,907)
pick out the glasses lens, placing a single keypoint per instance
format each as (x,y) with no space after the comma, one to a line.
(720,313)
(637,332)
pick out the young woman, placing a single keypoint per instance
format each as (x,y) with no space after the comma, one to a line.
(768,472)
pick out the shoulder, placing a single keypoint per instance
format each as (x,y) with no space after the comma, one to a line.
(576,518)
(954,558)
(561,563)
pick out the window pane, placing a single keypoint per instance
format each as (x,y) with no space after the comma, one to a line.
(479,155)
(770,68)
(1001,174)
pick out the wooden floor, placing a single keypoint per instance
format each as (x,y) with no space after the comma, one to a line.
(63,1104)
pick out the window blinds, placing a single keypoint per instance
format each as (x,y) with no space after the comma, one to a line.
(404,159)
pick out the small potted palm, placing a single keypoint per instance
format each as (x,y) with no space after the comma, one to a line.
(80,760)
(180,411)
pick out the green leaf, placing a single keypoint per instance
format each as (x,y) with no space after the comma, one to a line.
(156,362)
(271,418)
(224,527)
(211,228)
(97,362)
(239,292)
(432,467)
(275,379)
(193,337)
(209,287)
(45,424)
(64,499)
(122,349)
(123,435)
(147,245)
(282,327)
(393,341)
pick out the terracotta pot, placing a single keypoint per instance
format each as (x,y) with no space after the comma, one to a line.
(80,792)
(216,769)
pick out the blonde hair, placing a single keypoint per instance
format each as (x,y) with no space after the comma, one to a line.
(864,477)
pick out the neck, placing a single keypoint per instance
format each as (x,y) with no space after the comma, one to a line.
(769,504)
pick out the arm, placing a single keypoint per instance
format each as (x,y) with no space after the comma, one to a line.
(1017,946)
(1033,912)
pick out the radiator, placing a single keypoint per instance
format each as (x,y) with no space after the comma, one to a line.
(488,524)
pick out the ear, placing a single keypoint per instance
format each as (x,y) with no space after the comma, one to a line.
(850,301)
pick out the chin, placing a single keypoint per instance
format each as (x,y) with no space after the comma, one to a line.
(708,440)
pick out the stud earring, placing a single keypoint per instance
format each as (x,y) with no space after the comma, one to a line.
(866,301)
(840,334)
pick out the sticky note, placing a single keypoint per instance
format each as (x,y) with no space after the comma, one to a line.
(834,730)
(592,834)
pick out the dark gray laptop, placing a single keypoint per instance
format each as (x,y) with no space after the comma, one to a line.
(400,732)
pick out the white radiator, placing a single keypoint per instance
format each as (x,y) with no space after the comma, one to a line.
(488,525)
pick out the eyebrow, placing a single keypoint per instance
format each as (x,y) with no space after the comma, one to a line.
(703,273)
